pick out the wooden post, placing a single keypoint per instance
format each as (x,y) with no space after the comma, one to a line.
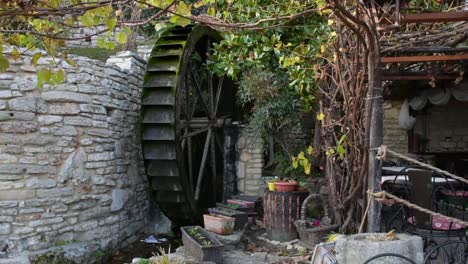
(375,141)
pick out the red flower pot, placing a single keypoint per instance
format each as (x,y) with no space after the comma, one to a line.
(283,186)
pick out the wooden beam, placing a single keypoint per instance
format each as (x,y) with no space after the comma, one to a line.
(435,17)
(424,58)
(417,76)
(431,49)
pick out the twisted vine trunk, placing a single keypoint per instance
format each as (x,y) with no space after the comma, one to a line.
(352,105)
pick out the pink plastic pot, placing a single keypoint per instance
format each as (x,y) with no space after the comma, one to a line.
(219,224)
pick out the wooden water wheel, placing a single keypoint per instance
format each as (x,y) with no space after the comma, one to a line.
(184,112)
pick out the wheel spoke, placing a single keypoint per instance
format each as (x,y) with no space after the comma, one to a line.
(218,94)
(214,176)
(190,162)
(196,132)
(200,94)
(203,164)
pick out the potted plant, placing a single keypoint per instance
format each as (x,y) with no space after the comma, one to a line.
(286,186)
(201,245)
(241,217)
(315,223)
(219,224)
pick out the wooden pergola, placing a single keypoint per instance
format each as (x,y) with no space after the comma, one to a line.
(412,54)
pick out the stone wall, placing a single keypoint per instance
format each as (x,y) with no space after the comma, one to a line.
(86,37)
(250,164)
(394,137)
(71,171)
(445,126)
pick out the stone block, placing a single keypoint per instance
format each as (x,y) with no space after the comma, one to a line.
(49,119)
(56,192)
(7,158)
(5,94)
(86,88)
(12,168)
(8,204)
(95,109)
(64,131)
(77,121)
(35,183)
(47,221)
(18,127)
(16,116)
(104,156)
(360,247)
(119,199)
(10,211)
(6,219)
(84,226)
(37,169)
(83,204)
(27,104)
(17,195)
(64,109)
(60,96)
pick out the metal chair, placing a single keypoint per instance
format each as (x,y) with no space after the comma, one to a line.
(394,258)
(426,191)
(451,252)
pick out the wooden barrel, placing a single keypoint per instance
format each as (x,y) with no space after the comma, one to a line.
(281,209)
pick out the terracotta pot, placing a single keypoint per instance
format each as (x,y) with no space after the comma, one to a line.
(302,189)
(283,186)
(219,224)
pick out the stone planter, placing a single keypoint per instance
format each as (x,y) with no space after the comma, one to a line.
(361,247)
(241,217)
(280,211)
(241,205)
(199,244)
(219,224)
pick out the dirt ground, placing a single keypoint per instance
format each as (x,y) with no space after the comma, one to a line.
(143,250)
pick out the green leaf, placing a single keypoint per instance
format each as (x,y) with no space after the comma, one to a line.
(43,76)
(110,45)
(4,63)
(121,37)
(160,26)
(70,62)
(101,42)
(87,19)
(58,77)
(15,54)
(36,58)
(179,21)
(110,22)
(341,151)
(342,139)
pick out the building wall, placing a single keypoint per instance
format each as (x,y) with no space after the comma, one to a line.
(71,171)
(250,164)
(81,39)
(395,138)
(445,126)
